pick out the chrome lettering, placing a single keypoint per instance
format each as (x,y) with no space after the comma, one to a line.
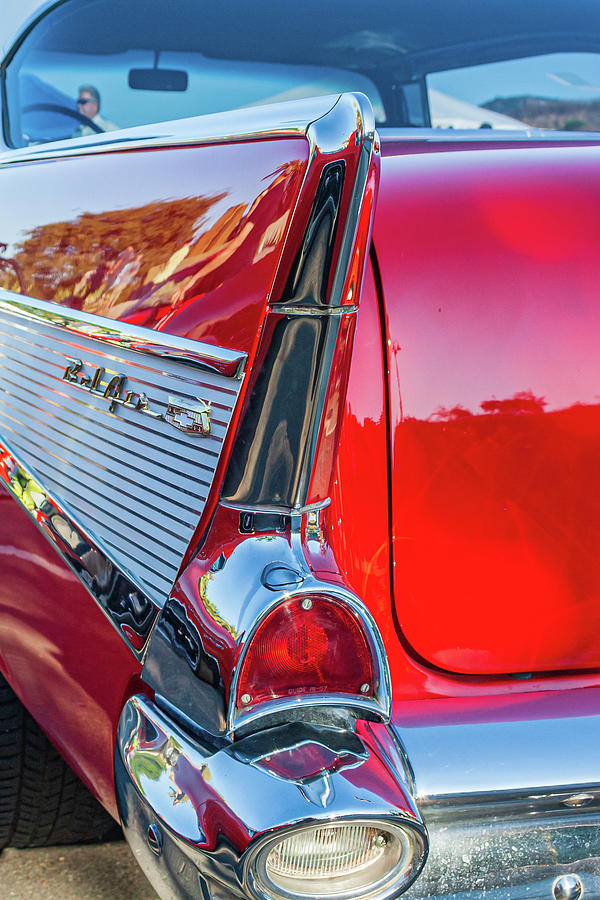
(111,390)
(72,369)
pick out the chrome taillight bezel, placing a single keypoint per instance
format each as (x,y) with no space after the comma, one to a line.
(377,705)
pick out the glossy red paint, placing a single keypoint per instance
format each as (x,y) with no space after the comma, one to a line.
(354,544)
(60,653)
(354,548)
(488,263)
(190,246)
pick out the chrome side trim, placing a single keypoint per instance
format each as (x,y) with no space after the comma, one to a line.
(312,310)
(85,412)
(486,136)
(277,510)
(353,114)
(132,613)
(125,336)
(351,117)
(209,806)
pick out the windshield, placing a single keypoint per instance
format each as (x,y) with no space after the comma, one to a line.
(90,66)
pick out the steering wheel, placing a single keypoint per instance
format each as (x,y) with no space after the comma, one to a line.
(65,111)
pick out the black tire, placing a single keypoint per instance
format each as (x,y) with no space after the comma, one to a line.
(42,801)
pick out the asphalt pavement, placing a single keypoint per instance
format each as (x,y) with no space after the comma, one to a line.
(93,872)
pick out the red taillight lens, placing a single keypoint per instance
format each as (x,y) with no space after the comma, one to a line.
(306,645)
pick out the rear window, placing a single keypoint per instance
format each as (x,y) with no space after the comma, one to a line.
(423,63)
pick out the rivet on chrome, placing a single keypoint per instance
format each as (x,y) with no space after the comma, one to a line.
(155,840)
(306,603)
(246,698)
(365,688)
(567,887)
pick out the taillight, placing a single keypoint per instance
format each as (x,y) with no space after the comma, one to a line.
(310,644)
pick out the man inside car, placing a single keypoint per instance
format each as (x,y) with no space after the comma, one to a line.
(88,104)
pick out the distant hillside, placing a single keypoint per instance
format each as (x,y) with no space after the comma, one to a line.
(541,112)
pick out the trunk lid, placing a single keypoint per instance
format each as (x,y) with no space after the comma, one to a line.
(489,265)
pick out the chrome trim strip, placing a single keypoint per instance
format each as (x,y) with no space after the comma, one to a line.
(305,350)
(277,510)
(328,135)
(275,120)
(123,335)
(511,804)
(486,136)
(353,114)
(311,310)
(130,611)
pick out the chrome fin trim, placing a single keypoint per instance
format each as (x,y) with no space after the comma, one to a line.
(273,120)
(118,427)
(303,326)
(126,336)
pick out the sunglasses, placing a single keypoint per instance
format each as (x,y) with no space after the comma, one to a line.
(82,102)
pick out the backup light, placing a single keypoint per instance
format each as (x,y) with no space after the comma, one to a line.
(343,860)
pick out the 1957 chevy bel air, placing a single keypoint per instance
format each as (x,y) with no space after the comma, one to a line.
(300,443)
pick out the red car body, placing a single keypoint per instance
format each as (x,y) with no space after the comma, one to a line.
(451,490)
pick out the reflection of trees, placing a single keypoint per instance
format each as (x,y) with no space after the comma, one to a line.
(12,267)
(28,491)
(442,414)
(80,259)
(521,402)
(147,764)
(140,263)
(211,607)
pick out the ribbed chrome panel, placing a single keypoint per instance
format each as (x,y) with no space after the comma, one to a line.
(135,483)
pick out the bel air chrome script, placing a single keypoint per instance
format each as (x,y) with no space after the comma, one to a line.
(193,420)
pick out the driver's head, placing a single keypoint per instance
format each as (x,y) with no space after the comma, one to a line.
(88,102)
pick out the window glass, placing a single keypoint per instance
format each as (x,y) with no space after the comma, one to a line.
(513,65)
(552,91)
(144,76)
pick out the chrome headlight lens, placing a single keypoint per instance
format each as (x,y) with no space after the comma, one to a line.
(343,860)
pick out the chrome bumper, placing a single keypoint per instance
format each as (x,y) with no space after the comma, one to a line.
(510,795)
(194,816)
(511,806)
